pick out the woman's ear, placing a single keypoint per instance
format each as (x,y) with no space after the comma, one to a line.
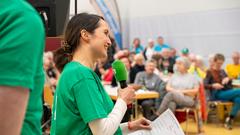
(85,35)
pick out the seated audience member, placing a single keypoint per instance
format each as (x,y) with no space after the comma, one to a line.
(167,62)
(151,82)
(210,66)
(108,76)
(138,66)
(198,68)
(173,54)
(192,58)
(165,66)
(121,54)
(49,65)
(104,70)
(233,70)
(182,88)
(185,52)
(131,56)
(49,55)
(149,51)
(137,47)
(157,57)
(160,45)
(166,70)
(220,88)
(51,72)
(211,61)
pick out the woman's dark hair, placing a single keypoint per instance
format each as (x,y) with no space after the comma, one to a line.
(137,39)
(72,34)
(158,58)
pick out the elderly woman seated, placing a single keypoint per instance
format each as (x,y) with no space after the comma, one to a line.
(182,88)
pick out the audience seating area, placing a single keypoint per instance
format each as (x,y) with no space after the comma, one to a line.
(155,67)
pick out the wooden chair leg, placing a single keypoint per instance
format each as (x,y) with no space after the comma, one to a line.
(187,113)
(196,115)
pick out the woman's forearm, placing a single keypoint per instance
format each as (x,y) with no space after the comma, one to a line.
(109,125)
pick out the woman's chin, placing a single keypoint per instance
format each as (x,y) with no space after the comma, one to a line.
(104,55)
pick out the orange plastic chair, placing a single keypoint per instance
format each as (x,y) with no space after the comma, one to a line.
(48,96)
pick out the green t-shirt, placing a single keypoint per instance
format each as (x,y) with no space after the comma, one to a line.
(79,99)
(22,42)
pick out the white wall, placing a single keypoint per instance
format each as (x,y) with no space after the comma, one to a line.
(142,8)
(83,6)
(204,26)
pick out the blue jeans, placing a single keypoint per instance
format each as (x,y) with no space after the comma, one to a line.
(232,95)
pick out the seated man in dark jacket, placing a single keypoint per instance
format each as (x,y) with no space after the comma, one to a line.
(220,88)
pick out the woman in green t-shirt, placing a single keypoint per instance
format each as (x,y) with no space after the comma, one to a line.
(81,105)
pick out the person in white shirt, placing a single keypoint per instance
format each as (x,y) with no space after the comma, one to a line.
(150,49)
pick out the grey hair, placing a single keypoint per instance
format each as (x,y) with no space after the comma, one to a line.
(185,61)
(235,53)
(199,57)
(151,61)
(211,57)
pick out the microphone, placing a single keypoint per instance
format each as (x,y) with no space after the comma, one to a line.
(121,75)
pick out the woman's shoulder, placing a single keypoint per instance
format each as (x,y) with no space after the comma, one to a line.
(74,73)
(75,69)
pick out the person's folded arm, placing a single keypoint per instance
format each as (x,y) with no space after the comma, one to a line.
(169,88)
(191,92)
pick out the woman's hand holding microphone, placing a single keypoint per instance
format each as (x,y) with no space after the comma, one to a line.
(127,94)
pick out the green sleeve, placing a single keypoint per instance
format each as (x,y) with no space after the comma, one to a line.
(21,48)
(89,100)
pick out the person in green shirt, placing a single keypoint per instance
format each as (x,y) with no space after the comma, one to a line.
(22,40)
(81,105)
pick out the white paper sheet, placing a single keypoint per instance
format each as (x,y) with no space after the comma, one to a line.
(165,124)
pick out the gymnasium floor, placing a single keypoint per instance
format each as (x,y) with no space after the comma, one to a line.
(211,129)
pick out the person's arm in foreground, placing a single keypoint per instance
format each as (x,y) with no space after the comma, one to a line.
(13,103)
